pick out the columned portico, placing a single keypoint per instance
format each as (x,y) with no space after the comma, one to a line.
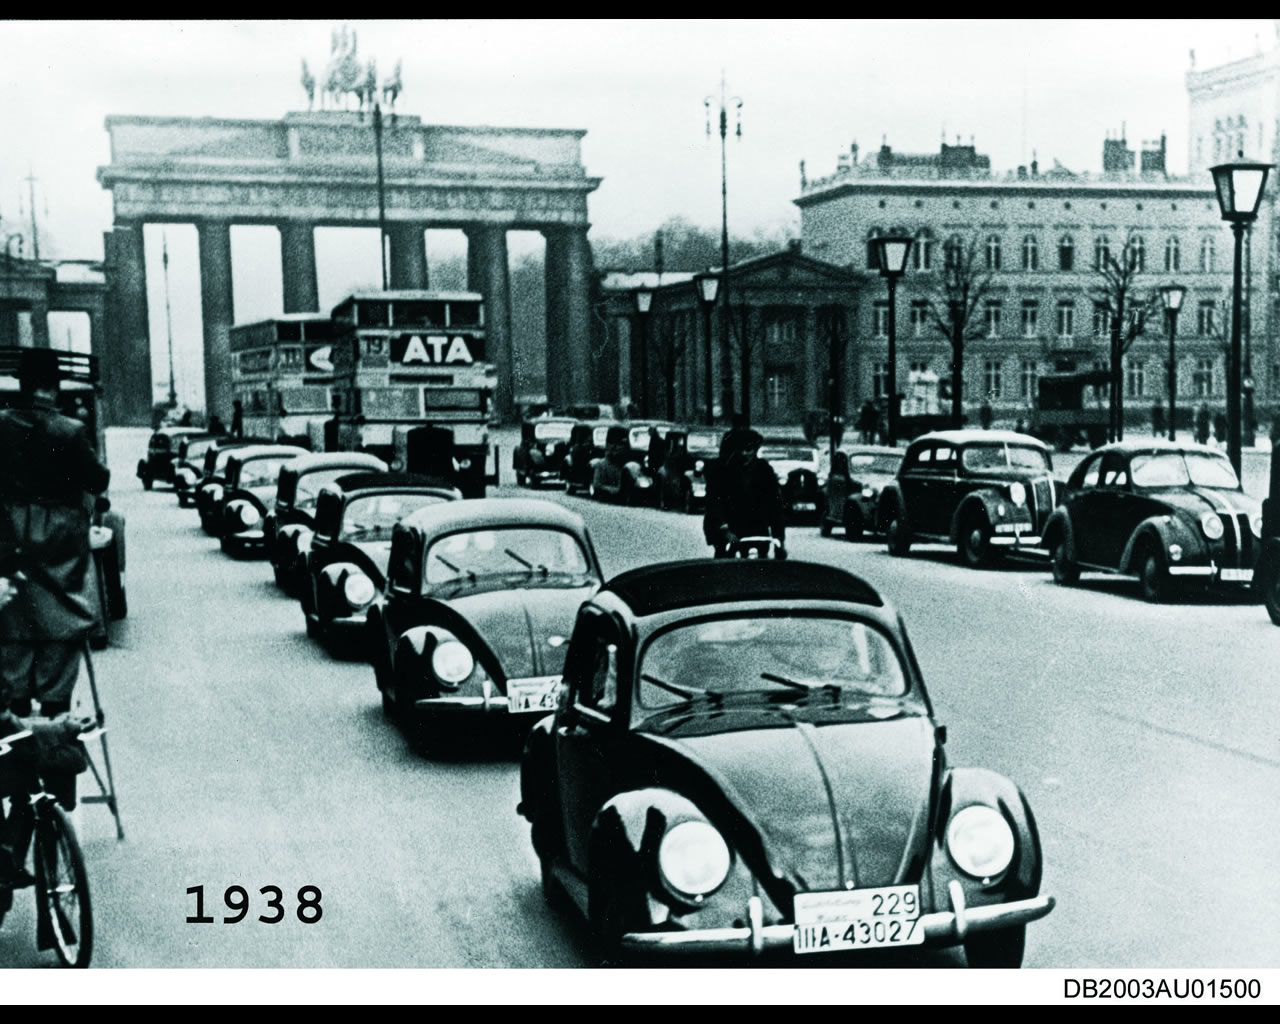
(408,255)
(218,313)
(298,266)
(490,243)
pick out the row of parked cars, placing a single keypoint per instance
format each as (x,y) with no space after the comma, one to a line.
(717,755)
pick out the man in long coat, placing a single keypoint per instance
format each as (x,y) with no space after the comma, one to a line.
(47,469)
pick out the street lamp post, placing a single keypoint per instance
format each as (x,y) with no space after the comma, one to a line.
(891,257)
(382,197)
(644,302)
(708,285)
(726,365)
(1239,186)
(1172,295)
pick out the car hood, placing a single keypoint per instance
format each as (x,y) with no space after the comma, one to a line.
(1195,501)
(526,630)
(836,798)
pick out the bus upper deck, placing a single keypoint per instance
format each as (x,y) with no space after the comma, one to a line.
(282,372)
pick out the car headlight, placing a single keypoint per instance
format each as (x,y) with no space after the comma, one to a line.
(1255,524)
(1175,552)
(694,859)
(1211,525)
(249,515)
(358,589)
(1017,494)
(980,841)
(452,662)
(462,463)
(699,466)
(643,481)
(549,449)
(1000,510)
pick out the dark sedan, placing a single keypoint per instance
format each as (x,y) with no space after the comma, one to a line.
(800,476)
(544,442)
(163,451)
(249,492)
(691,458)
(858,475)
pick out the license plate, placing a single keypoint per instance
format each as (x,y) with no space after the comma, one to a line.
(804,506)
(1006,527)
(532,694)
(858,919)
(1236,575)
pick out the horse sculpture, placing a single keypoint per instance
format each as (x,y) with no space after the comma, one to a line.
(344,77)
(308,84)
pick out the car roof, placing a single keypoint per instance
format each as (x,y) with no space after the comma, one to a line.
(665,586)
(365,480)
(480,513)
(871,449)
(182,431)
(787,442)
(263,451)
(971,436)
(552,419)
(1159,444)
(335,460)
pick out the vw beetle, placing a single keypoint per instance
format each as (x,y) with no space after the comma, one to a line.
(253,474)
(744,758)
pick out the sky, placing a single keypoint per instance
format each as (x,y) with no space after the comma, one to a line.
(809,89)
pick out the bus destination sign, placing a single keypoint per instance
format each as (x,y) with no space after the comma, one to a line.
(436,350)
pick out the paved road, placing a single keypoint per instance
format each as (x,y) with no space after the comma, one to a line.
(1144,737)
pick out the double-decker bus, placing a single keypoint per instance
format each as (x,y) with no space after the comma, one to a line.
(412,383)
(282,373)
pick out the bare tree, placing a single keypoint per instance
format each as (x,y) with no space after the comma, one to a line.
(953,308)
(1127,309)
(672,345)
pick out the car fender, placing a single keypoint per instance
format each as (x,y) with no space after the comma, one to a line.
(1163,530)
(329,580)
(1059,525)
(962,787)
(411,660)
(537,778)
(890,498)
(989,502)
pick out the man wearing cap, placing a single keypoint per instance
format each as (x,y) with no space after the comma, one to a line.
(47,464)
(746,500)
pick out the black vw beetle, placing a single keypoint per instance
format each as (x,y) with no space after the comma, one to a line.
(253,474)
(288,525)
(744,758)
(682,477)
(210,488)
(345,562)
(163,451)
(479,602)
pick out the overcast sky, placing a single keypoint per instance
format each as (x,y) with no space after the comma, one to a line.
(809,89)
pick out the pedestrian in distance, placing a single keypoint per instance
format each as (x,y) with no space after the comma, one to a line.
(237,418)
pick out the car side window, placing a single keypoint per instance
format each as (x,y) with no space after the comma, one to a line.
(925,457)
(591,673)
(1114,472)
(1090,477)
(601,691)
(945,458)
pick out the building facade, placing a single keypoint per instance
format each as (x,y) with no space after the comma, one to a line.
(1042,237)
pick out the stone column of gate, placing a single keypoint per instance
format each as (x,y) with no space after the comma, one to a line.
(489,243)
(125,356)
(40,323)
(298,266)
(568,263)
(217,314)
(408,255)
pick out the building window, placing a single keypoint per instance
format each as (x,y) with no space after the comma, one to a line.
(1172,255)
(1066,318)
(1206,326)
(922,252)
(1028,376)
(991,378)
(880,318)
(873,258)
(1202,378)
(1137,253)
(992,318)
(993,252)
(953,252)
(1066,253)
(776,391)
(1101,320)
(1030,318)
(781,334)
(1030,253)
(919,317)
(1207,254)
(1101,252)
(879,380)
(1135,379)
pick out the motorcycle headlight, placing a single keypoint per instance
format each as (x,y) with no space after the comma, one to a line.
(699,466)
(463,463)
(694,860)
(1212,526)
(868,492)
(249,515)
(643,481)
(358,589)
(549,449)
(1255,524)
(452,662)
(1017,494)
(980,841)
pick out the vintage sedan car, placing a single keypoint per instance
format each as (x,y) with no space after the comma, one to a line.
(477,610)
(627,474)
(162,456)
(1164,512)
(288,525)
(544,442)
(852,496)
(986,491)
(345,562)
(249,492)
(682,478)
(208,490)
(800,475)
(1267,574)
(586,448)
(744,758)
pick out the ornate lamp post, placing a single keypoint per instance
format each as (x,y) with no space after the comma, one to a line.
(891,257)
(708,286)
(1239,186)
(1172,295)
(644,302)
(726,368)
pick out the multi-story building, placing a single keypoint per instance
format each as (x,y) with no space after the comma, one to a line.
(1042,237)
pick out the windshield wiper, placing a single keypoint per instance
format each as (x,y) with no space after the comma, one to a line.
(525,562)
(832,690)
(680,691)
(471,577)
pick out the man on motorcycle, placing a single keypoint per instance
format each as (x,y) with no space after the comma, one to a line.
(744,500)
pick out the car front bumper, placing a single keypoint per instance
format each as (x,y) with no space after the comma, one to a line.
(1217,574)
(942,928)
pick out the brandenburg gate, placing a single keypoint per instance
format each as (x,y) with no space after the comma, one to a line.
(319,169)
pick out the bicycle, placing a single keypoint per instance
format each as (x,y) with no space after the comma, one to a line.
(64,914)
(763,546)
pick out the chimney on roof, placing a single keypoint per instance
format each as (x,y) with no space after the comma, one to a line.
(853,152)
(1035,164)
(804,181)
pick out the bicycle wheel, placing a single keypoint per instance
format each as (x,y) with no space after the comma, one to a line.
(64,887)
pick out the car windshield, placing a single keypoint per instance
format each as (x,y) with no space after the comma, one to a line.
(552,431)
(864,463)
(530,550)
(601,437)
(788,453)
(767,654)
(261,472)
(1180,469)
(1004,456)
(640,439)
(702,444)
(196,449)
(309,485)
(372,517)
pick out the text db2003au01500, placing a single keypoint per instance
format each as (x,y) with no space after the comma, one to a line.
(1162,988)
